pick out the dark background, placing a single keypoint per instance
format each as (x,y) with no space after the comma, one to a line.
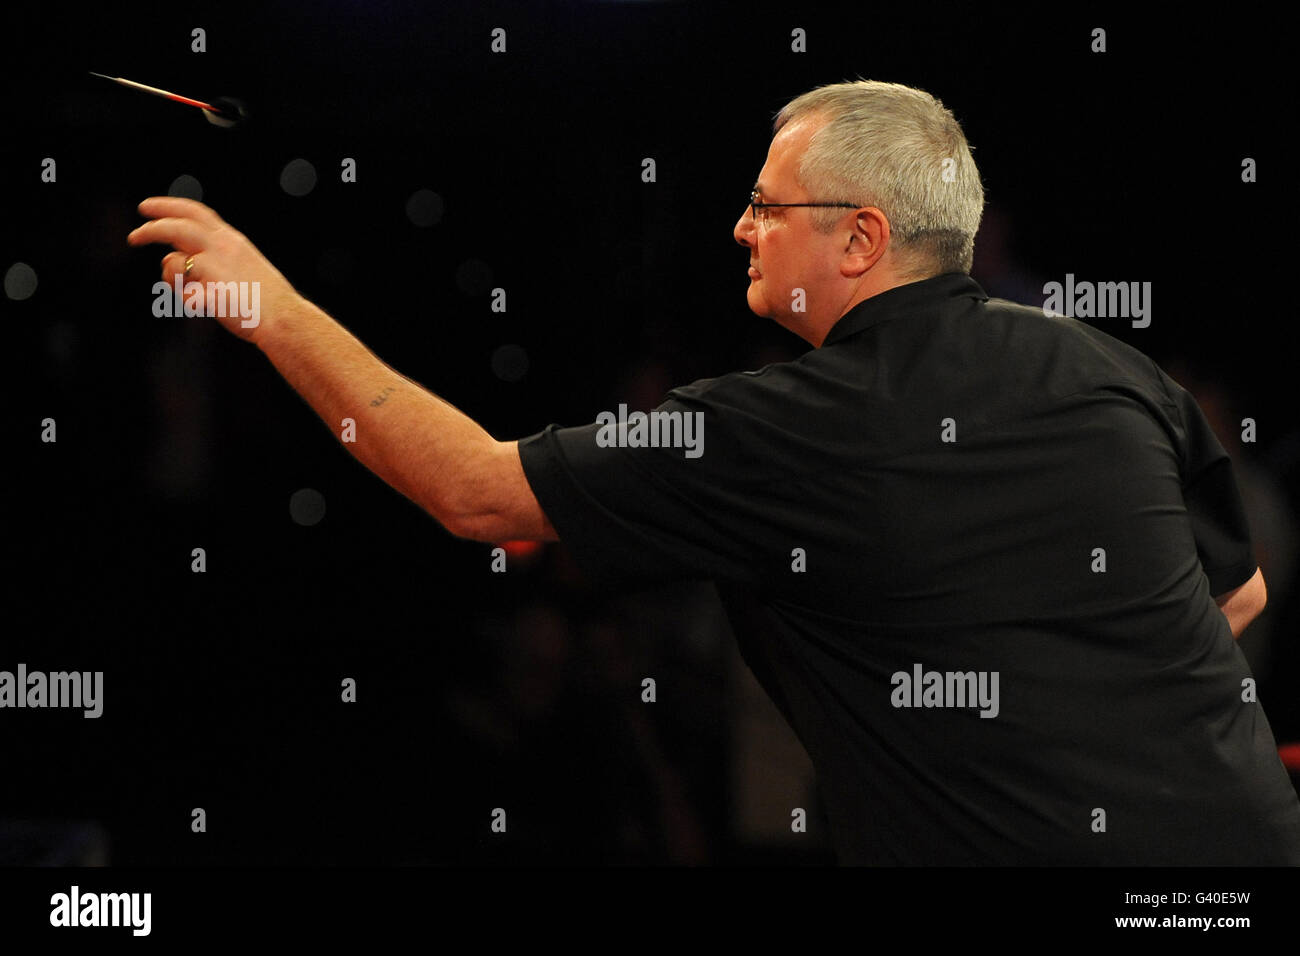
(519,690)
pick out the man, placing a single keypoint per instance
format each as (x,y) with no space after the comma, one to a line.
(969,549)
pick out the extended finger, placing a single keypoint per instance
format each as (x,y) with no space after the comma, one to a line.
(156,207)
(185,234)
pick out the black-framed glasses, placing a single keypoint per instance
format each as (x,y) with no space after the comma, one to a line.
(755,205)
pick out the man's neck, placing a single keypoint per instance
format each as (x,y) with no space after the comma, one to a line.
(872,285)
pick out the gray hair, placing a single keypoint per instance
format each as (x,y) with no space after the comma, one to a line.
(898,149)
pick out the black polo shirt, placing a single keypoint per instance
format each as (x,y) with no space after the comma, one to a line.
(970,551)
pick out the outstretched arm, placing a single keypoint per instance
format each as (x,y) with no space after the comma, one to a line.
(424,447)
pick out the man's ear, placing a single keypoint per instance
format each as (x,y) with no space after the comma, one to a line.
(867,241)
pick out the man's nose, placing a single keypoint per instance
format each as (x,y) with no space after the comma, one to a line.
(744,228)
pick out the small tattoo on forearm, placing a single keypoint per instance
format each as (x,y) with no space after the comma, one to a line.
(383,396)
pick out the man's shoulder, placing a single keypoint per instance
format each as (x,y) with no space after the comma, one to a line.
(1079,353)
(789,378)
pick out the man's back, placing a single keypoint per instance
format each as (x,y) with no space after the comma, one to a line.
(962,546)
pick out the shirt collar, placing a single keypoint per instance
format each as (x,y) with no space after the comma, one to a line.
(902,300)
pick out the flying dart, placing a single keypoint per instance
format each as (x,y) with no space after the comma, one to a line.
(223,111)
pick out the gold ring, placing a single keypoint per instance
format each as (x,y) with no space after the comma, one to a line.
(189,264)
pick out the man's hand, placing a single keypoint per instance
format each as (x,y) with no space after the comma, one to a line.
(221,255)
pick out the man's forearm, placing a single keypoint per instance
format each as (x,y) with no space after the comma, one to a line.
(1239,617)
(413,440)
(1243,604)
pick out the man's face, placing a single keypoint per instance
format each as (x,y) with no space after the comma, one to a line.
(785,252)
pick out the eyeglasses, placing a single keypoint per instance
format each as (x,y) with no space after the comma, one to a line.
(755,206)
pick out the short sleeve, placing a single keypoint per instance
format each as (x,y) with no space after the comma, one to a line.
(1214,502)
(716,496)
